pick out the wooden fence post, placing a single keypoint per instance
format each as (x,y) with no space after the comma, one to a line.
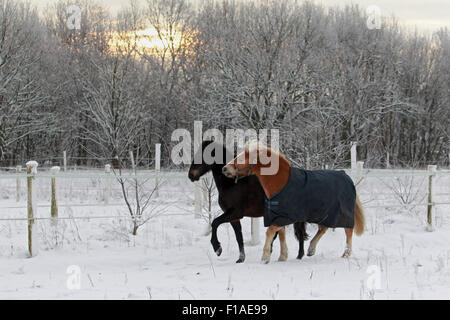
(32,207)
(65,160)
(107,186)
(18,170)
(157,167)
(359,168)
(255,222)
(54,205)
(353,155)
(205,184)
(387,160)
(308,160)
(133,165)
(432,173)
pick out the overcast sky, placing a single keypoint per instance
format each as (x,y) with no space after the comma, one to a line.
(428,15)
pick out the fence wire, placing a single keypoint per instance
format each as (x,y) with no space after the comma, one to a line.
(87,189)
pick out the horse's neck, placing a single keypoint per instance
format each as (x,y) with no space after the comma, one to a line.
(275,183)
(220,180)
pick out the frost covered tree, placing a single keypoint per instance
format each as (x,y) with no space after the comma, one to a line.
(124,82)
(21,97)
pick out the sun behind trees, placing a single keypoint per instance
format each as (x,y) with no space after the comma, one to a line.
(124,82)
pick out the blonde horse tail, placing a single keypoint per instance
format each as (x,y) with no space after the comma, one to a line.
(360,221)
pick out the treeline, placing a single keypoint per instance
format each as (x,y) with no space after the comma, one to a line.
(319,75)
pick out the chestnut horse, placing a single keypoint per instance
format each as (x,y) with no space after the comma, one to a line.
(238,198)
(344,209)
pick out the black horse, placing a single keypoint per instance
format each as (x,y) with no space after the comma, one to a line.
(237,199)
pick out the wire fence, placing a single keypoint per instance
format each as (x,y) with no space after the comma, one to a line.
(88,189)
(91,189)
(37,195)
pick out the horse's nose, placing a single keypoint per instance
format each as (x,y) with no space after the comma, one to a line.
(226,172)
(194,175)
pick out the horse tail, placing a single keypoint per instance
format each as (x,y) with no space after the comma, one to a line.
(300,231)
(360,221)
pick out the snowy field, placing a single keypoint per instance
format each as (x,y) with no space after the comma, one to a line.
(171,257)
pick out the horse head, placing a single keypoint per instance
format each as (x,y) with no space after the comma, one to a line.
(256,159)
(271,167)
(211,155)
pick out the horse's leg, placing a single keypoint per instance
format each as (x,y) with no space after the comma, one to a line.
(348,247)
(270,233)
(214,225)
(301,235)
(283,246)
(273,240)
(240,240)
(315,240)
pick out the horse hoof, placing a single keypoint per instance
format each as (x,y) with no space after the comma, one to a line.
(311,253)
(300,256)
(219,251)
(284,258)
(347,254)
(241,258)
(265,259)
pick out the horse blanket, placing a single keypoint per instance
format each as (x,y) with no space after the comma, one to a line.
(325,197)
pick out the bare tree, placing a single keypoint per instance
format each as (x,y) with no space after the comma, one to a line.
(138,197)
(125,82)
(20,94)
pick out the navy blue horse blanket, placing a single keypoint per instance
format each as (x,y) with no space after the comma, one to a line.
(325,197)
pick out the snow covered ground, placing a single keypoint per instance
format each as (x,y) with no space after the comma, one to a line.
(171,257)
